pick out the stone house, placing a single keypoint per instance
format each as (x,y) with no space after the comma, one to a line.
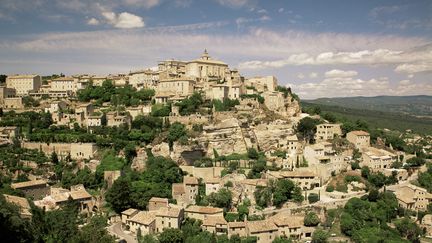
(35,189)
(116,120)
(412,197)
(83,150)
(143,220)
(127,214)
(9,132)
(264,230)
(212,185)
(377,159)
(94,121)
(56,106)
(215,224)
(186,192)
(305,179)
(237,228)
(360,139)
(201,212)
(327,131)
(23,84)
(156,203)
(289,226)
(169,217)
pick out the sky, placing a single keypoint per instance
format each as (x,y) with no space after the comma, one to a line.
(323,48)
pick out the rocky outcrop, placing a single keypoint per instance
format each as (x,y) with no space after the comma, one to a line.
(225,137)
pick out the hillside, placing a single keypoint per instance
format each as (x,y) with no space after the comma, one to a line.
(420,105)
(378,119)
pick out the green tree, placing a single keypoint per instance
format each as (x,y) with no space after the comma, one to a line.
(94,231)
(171,235)
(311,219)
(408,229)
(313,197)
(222,198)
(320,236)
(281,240)
(54,158)
(307,127)
(118,196)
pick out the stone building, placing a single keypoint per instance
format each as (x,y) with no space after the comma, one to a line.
(412,197)
(23,84)
(169,217)
(186,192)
(215,224)
(360,139)
(237,228)
(304,178)
(264,230)
(36,189)
(143,220)
(261,84)
(155,203)
(64,84)
(327,131)
(377,159)
(202,212)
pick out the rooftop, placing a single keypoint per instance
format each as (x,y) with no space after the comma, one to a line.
(261,226)
(129,211)
(171,212)
(359,133)
(143,217)
(203,209)
(189,180)
(214,220)
(26,184)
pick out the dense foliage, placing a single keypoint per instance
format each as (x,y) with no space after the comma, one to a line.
(126,95)
(136,189)
(366,221)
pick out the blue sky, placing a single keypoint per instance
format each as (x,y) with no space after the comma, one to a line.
(319,48)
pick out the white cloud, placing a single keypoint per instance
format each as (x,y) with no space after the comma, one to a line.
(280,10)
(405,82)
(344,87)
(141,3)
(336,73)
(313,75)
(237,3)
(409,61)
(262,11)
(301,76)
(414,67)
(123,20)
(93,21)
(264,18)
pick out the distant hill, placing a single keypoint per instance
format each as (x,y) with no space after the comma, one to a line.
(376,118)
(419,105)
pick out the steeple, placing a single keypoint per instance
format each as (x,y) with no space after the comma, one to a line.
(205,55)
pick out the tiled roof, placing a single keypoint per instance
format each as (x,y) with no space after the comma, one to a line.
(189,180)
(169,212)
(203,209)
(261,226)
(360,133)
(214,220)
(129,211)
(28,184)
(143,217)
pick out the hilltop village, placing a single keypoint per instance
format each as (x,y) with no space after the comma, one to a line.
(194,152)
